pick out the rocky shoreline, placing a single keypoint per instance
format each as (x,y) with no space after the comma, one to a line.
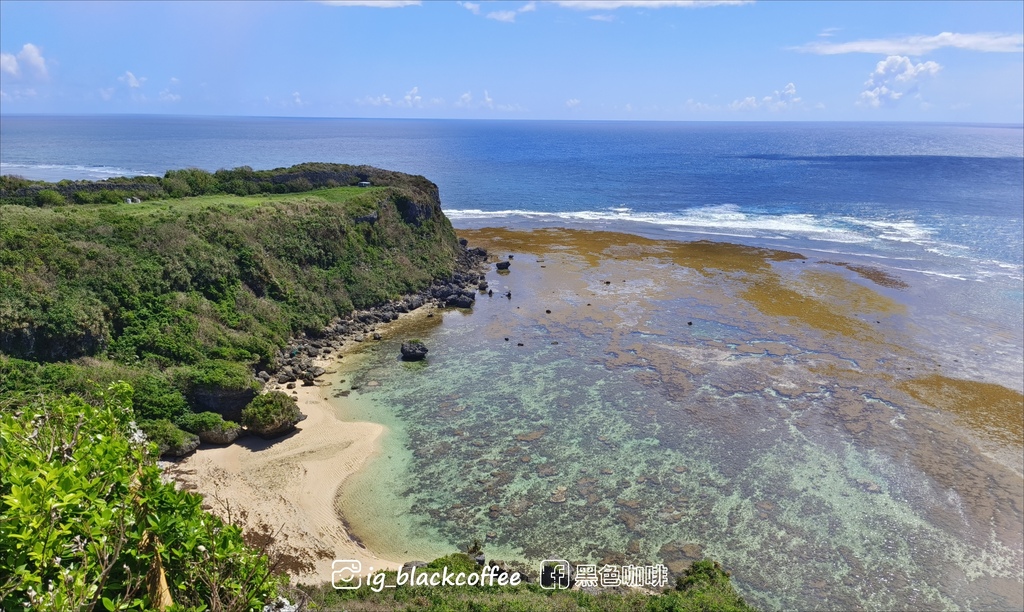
(297,361)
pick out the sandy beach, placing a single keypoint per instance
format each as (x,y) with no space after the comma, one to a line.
(282,492)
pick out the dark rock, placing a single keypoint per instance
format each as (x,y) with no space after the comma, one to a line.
(463,242)
(263,376)
(370,218)
(226,435)
(408,567)
(482,285)
(279,428)
(460,301)
(226,402)
(502,265)
(190,443)
(316,371)
(414,213)
(413,351)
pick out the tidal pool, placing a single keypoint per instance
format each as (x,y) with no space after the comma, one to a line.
(643,401)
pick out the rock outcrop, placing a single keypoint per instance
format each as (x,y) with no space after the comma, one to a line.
(414,350)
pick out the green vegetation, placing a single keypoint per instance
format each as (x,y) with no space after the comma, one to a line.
(87,523)
(269,410)
(204,421)
(705,587)
(186,297)
(188,182)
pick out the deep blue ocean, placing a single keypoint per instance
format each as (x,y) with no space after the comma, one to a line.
(948,199)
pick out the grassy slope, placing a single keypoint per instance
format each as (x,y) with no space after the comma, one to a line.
(170,293)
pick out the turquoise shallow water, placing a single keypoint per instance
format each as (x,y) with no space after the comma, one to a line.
(588,443)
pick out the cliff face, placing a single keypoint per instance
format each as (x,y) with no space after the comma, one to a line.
(179,281)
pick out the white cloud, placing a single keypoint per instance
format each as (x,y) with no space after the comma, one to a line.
(894,77)
(781,100)
(372,3)
(572,103)
(510,16)
(297,98)
(610,5)
(107,93)
(9,64)
(991,42)
(748,103)
(412,98)
(468,102)
(19,94)
(692,105)
(828,32)
(29,56)
(167,96)
(472,7)
(605,18)
(777,101)
(175,80)
(381,100)
(131,80)
(506,16)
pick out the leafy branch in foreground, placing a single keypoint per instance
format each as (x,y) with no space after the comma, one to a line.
(86,521)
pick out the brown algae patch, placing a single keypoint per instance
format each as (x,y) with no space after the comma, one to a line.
(852,297)
(875,275)
(989,408)
(818,300)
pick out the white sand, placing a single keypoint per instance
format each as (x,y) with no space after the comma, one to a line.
(288,486)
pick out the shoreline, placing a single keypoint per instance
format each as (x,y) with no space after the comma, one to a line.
(281,492)
(610,276)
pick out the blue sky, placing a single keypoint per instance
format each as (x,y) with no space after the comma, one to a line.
(618,60)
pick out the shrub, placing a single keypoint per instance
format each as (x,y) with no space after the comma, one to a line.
(203,421)
(168,438)
(224,374)
(85,519)
(49,197)
(270,409)
(155,398)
